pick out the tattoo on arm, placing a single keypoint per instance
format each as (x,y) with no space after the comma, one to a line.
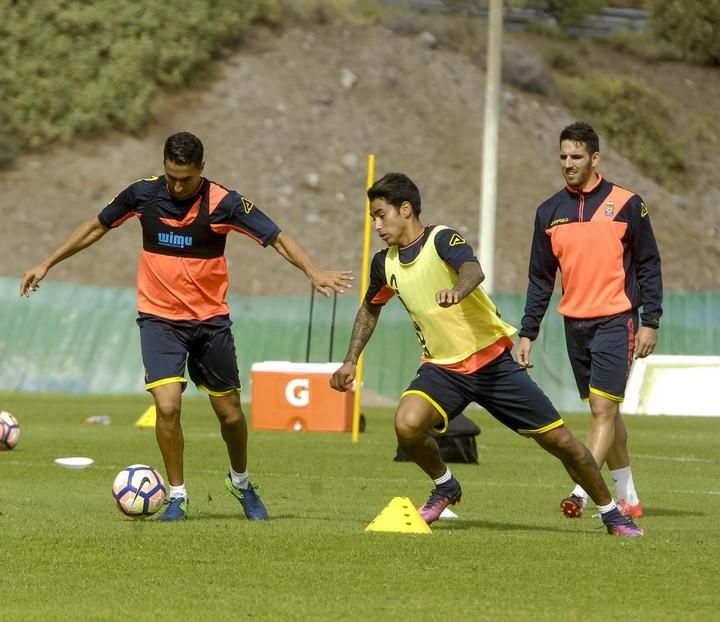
(470,276)
(363,328)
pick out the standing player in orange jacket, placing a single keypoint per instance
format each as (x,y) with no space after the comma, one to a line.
(599,236)
(182,312)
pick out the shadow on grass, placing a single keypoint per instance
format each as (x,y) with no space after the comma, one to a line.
(200,515)
(670,512)
(484,524)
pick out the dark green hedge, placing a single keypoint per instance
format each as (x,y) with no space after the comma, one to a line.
(693,26)
(70,67)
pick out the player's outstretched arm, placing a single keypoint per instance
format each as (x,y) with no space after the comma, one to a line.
(363,328)
(84,235)
(324,281)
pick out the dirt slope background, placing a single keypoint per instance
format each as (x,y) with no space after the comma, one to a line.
(289,121)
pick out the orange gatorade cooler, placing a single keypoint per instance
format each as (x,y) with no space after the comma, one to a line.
(297,396)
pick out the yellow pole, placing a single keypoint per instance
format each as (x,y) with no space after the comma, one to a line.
(363,289)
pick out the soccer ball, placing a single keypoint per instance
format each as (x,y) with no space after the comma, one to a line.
(138,490)
(9,431)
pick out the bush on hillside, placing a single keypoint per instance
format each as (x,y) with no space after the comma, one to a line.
(642,45)
(692,26)
(637,119)
(74,67)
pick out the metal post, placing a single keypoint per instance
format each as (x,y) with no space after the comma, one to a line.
(310,321)
(486,235)
(332,326)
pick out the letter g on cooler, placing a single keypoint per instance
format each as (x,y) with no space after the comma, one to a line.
(297,392)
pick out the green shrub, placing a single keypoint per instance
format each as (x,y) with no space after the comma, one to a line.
(556,56)
(74,67)
(638,120)
(642,45)
(691,26)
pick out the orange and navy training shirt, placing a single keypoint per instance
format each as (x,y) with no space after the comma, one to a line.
(603,244)
(182,273)
(452,248)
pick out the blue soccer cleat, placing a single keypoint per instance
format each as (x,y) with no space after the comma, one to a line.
(176,508)
(249,499)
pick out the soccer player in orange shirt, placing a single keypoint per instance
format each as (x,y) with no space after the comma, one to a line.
(598,235)
(182,311)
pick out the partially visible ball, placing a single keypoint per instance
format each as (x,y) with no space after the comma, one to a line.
(9,431)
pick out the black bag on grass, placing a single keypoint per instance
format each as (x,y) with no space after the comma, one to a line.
(457,444)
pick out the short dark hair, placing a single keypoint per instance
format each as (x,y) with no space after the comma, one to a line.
(582,132)
(396,188)
(184,148)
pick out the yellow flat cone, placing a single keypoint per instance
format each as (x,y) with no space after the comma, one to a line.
(147,419)
(399,516)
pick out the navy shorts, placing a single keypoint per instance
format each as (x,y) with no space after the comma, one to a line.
(207,346)
(601,353)
(502,387)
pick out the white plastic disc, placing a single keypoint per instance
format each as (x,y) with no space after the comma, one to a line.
(74,463)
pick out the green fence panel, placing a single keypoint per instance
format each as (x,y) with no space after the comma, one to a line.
(690,325)
(70,339)
(80,339)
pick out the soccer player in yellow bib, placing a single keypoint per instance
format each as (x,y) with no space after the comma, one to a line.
(466,351)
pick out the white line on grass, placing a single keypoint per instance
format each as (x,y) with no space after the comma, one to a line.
(675,458)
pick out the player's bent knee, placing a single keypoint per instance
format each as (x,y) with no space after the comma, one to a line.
(409,429)
(406,433)
(414,417)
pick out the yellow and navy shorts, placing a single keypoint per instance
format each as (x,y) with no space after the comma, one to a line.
(207,346)
(501,387)
(601,353)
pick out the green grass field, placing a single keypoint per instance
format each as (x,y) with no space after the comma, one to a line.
(67,554)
